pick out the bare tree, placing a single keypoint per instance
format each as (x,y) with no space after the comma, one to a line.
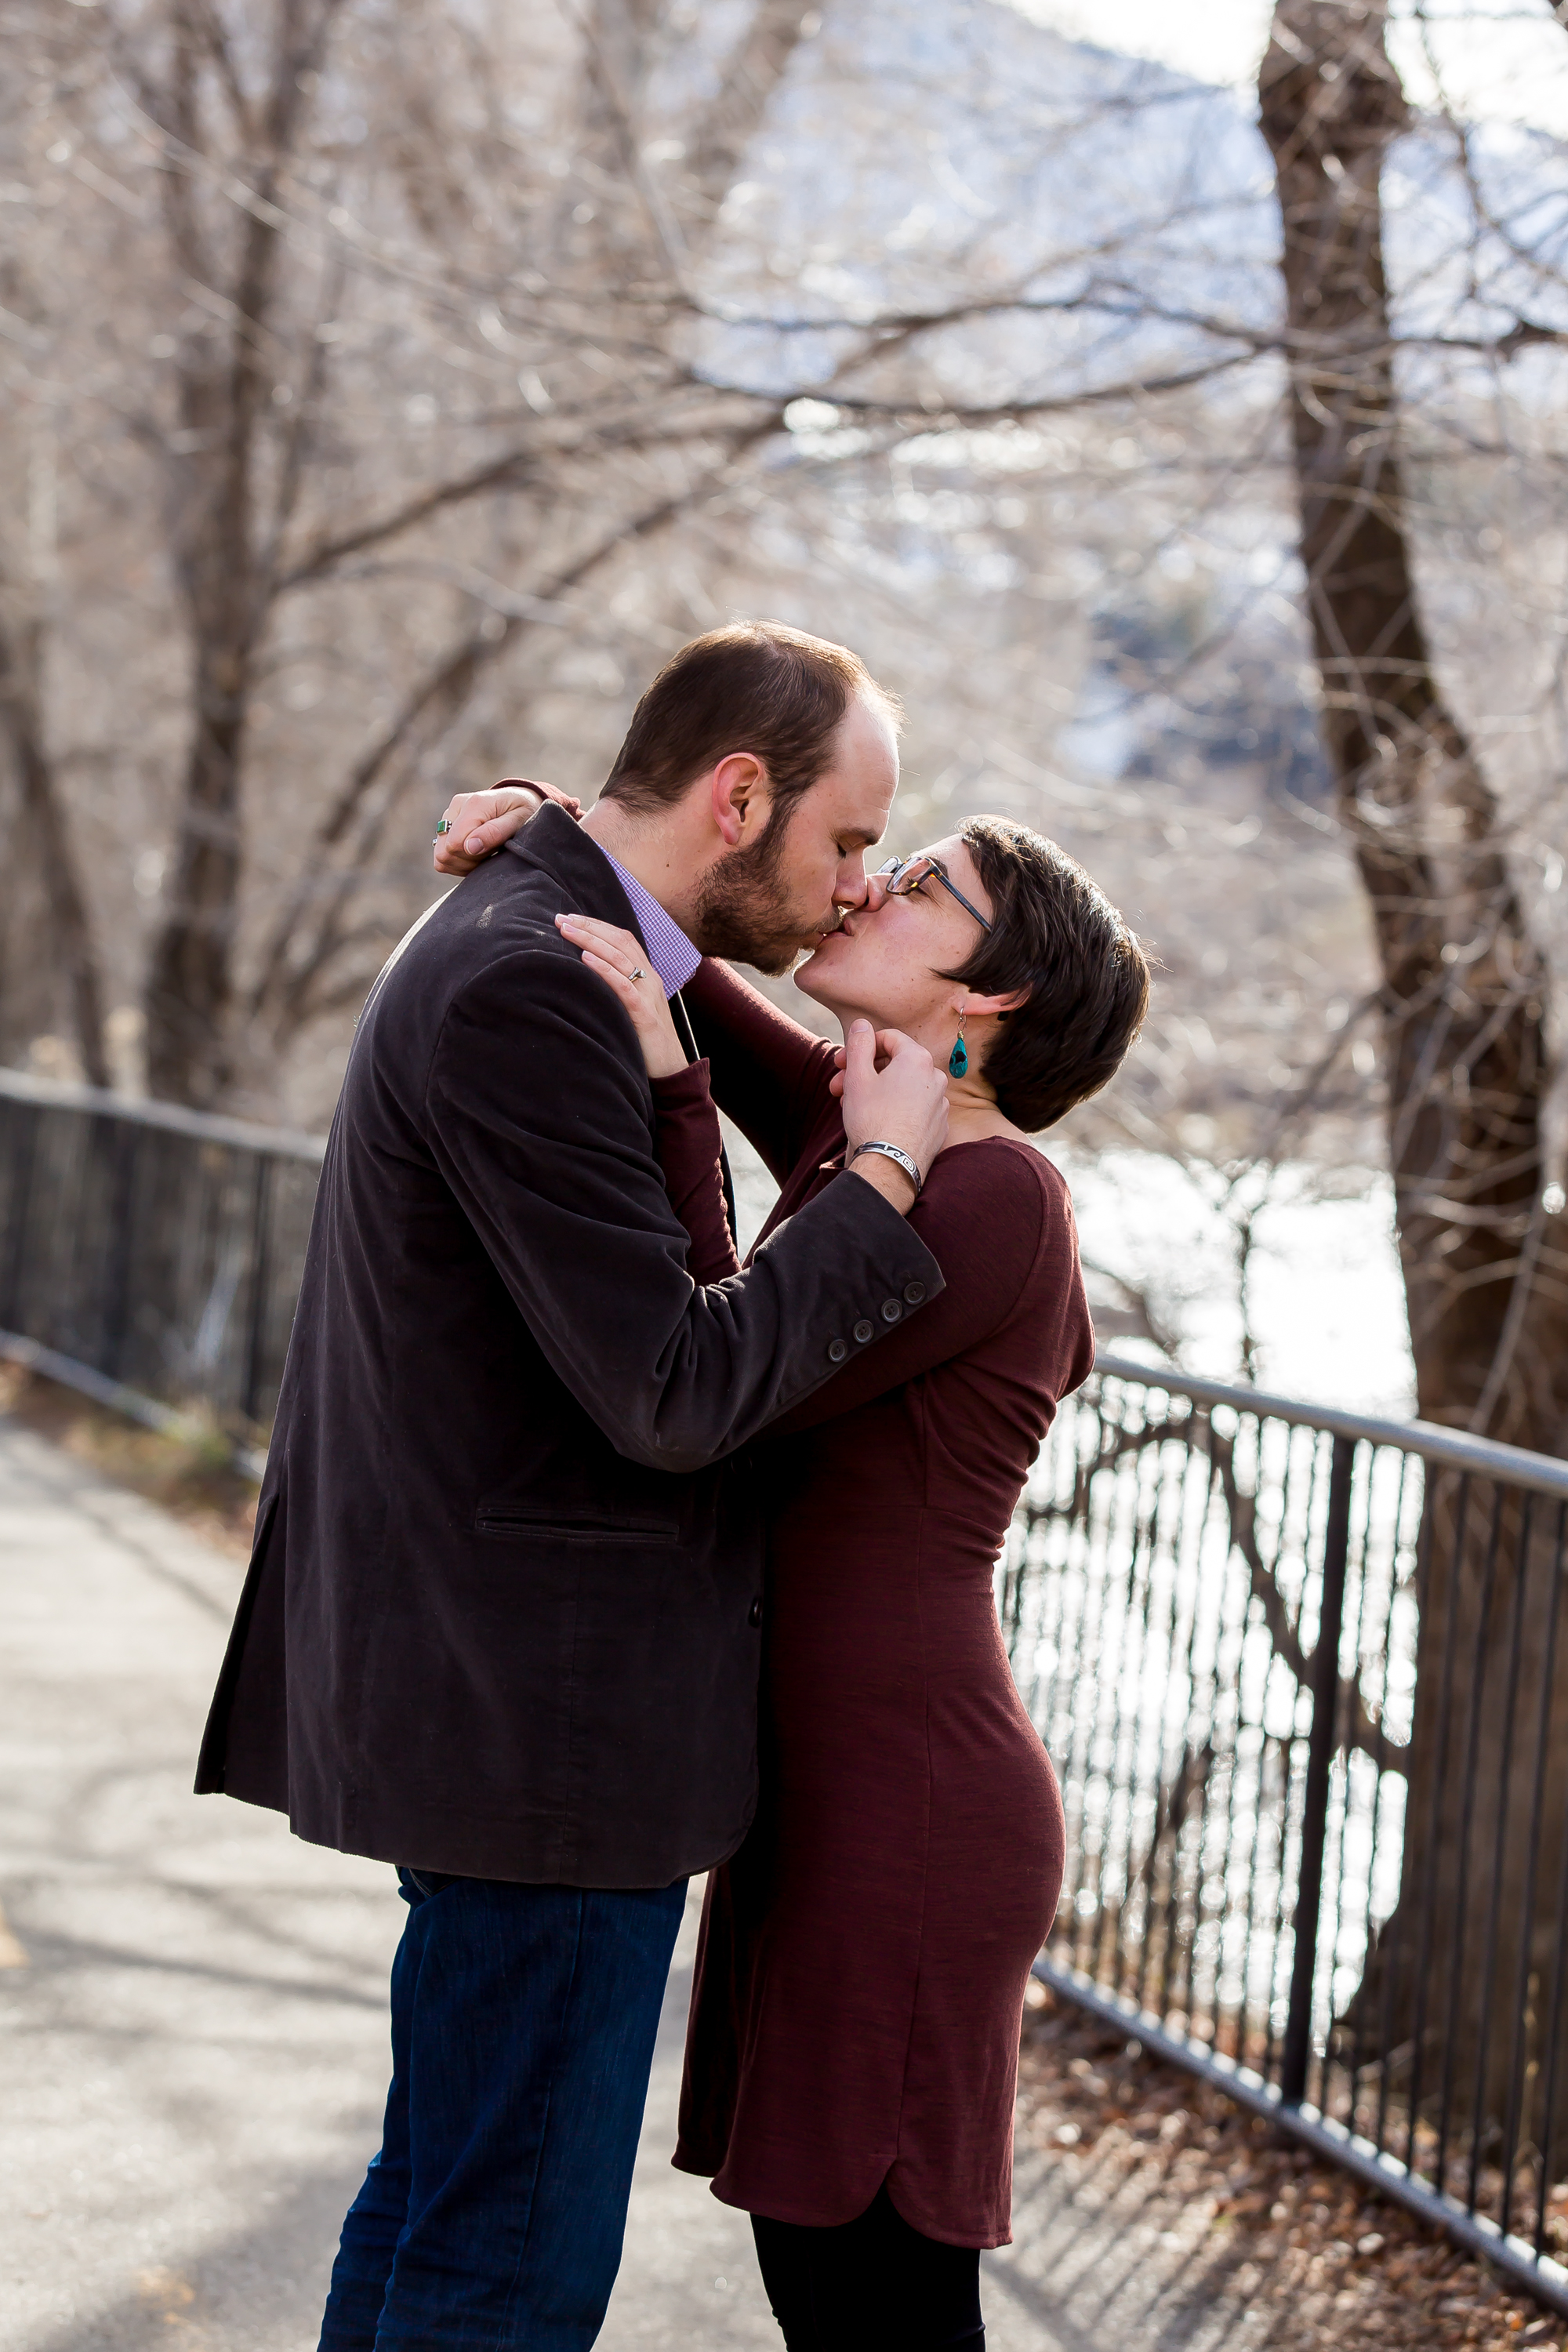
(276,244)
(1466,987)
(261,415)
(1464,1001)
(234,251)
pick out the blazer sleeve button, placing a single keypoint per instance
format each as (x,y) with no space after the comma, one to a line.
(892,1310)
(836,1350)
(754,1614)
(913,1293)
(864,1329)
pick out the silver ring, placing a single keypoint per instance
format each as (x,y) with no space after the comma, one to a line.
(637,973)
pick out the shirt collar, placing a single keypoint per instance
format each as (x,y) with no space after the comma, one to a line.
(669,950)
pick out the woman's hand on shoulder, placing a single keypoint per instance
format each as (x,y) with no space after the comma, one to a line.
(474,823)
(621,960)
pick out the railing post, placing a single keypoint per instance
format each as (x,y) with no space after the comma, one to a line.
(260,1285)
(1296,2054)
(19,1208)
(124,1141)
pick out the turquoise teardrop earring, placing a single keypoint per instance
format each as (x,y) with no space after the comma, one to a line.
(958,1060)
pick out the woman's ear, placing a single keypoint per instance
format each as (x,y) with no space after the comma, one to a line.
(1000,1005)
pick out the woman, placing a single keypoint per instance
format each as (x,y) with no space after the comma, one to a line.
(852,2053)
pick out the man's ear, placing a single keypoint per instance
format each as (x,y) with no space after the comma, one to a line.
(737,786)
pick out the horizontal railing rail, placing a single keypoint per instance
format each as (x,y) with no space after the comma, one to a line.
(1547,1474)
(206,1127)
(151,1256)
(1303,1673)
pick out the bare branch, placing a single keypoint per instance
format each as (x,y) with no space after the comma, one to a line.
(513,470)
(747,82)
(944,413)
(287,971)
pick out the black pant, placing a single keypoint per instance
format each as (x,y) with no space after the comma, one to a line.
(871,2285)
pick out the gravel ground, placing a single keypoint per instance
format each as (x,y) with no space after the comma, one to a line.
(198,1486)
(1277,2249)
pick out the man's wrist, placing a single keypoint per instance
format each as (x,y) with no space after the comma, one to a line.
(885,1176)
(883,1150)
(523,795)
(542,794)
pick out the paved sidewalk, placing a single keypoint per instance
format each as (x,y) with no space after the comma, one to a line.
(193,2053)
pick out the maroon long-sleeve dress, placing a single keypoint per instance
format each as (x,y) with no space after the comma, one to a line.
(860,1978)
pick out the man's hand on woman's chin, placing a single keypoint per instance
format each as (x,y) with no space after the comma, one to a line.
(477,822)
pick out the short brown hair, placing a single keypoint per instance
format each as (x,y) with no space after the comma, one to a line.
(755,687)
(1056,934)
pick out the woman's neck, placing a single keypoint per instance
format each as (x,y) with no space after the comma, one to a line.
(973,1111)
(973,1114)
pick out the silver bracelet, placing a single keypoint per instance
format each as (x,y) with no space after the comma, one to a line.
(891,1151)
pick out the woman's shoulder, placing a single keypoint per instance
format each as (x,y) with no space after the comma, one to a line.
(1001,1193)
(996,1216)
(988,1200)
(1002,1167)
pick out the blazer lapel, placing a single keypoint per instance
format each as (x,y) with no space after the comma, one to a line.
(682,1020)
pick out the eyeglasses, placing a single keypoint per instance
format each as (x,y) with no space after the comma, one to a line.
(902,875)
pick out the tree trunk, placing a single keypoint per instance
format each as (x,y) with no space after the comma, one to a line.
(223,383)
(1465,991)
(190,980)
(44,835)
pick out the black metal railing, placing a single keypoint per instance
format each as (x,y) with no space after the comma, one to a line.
(152,1257)
(1304,1676)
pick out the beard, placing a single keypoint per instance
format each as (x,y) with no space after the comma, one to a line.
(743,908)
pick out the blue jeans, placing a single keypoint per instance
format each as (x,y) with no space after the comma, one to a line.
(523,2031)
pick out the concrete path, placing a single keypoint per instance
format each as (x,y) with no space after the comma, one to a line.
(193,2017)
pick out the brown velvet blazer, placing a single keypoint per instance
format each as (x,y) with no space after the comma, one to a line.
(502,1617)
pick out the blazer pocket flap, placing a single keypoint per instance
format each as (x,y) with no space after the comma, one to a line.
(514,1523)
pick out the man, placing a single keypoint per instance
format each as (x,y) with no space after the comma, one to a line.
(501,1626)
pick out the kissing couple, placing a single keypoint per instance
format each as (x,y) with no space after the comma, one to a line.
(590,1556)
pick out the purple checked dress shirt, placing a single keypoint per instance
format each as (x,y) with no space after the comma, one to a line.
(669,950)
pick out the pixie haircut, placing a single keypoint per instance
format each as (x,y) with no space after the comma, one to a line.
(1056,934)
(755,687)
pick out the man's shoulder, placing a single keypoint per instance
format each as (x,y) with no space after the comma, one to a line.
(484,967)
(506,909)
(502,915)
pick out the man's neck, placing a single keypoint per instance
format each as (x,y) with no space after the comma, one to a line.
(651,850)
